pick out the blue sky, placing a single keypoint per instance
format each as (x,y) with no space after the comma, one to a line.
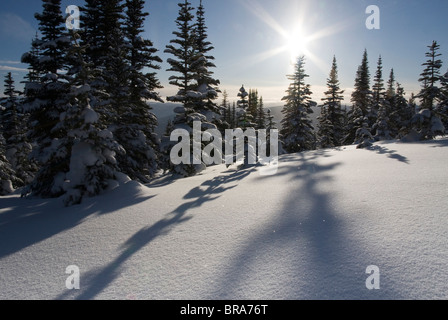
(253,39)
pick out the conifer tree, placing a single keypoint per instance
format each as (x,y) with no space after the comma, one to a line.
(252,107)
(427,122)
(136,131)
(403,113)
(185,65)
(48,103)
(93,165)
(186,60)
(261,115)
(6,172)
(207,85)
(331,120)
(378,95)
(442,108)
(244,116)
(361,99)
(297,128)
(17,146)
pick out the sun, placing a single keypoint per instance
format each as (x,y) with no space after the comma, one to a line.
(296,44)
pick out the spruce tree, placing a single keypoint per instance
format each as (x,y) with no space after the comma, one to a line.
(442,108)
(261,115)
(48,102)
(252,107)
(297,128)
(207,85)
(402,115)
(7,175)
(244,117)
(185,65)
(427,122)
(136,131)
(378,95)
(93,165)
(331,121)
(361,99)
(15,127)
(186,60)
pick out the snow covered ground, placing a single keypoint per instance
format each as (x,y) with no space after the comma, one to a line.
(308,232)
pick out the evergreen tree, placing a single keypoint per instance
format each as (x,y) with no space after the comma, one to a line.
(252,106)
(297,129)
(442,108)
(244,117)
(226,112)
(402,115)
(93,165)
(261,115)
(427,122)
(136,131)
(207,86)
(17,146)
(183,48)
(6,172)
(378,95)
(48,102)
(331,121)
(361,99)
(186,64)
(32,59)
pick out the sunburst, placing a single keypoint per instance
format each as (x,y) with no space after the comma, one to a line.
(297,39)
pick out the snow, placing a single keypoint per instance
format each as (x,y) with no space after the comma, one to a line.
(308,232)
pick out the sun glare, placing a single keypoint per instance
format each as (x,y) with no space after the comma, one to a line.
(296,44)
(296,41)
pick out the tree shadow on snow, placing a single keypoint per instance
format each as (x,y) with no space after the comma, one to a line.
(305,251)
(390,153)
(30,221)
(97,281)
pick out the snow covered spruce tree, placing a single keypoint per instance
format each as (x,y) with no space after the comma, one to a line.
(15,127)
(427,122)
(190,67)
(93,165)
(47,102)
(443,105)
(112,36)
(244,116)
(331,121)
(207,85)
(7,175)
(297,128)
(260,118)
(358,121)
(137,133)
(380,108)
(378,94)
(400,110)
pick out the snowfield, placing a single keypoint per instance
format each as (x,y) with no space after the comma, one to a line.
(308,232)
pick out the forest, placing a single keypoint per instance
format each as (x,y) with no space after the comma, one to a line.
(84,123)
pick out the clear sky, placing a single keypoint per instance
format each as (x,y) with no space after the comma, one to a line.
(255,39)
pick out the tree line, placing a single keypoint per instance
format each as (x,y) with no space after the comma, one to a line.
(83,123)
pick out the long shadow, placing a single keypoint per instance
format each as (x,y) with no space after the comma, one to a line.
(30,221)
(390,153)
(304,252)
(99,280)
